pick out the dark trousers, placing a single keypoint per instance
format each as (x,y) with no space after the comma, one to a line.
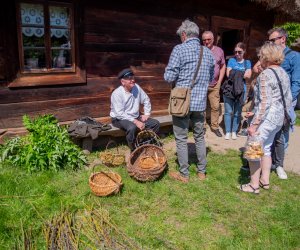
(278,150)
(131,129)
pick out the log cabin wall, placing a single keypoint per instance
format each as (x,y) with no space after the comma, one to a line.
(114,35)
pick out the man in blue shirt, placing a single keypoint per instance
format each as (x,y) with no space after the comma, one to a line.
(291,65)
(180,71)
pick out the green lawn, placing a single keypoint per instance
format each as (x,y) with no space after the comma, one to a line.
(298,117)
(164,214)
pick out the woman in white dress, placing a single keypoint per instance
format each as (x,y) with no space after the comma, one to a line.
(268,113)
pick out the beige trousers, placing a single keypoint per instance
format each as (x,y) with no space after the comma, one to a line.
(213,105)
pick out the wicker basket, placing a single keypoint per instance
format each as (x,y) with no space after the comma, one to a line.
(149,154)
(112,159)
(147,136)
(105,183)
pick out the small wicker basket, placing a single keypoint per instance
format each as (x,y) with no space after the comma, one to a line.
(112,159)
(105,183)
(147,136)
(147,163)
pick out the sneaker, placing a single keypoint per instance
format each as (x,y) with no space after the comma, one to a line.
(201,176)
(281,173)
(243,133)
(227,136)
(233,136)
(179,177)
(217,132)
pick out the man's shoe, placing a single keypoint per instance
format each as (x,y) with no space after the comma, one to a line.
(177,176)
(217,132)
(281,173)
(201,176)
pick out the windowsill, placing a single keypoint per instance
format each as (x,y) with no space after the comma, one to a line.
(48,80)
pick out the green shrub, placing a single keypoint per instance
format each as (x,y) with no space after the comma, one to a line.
(47,146)
(293,30)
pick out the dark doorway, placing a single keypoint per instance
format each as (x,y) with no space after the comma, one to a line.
(228,38)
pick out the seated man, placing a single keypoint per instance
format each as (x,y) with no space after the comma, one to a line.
(125,105)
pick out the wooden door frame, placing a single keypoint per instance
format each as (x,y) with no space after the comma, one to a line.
(230,23)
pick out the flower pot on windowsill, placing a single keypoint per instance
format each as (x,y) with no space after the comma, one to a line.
(32,63)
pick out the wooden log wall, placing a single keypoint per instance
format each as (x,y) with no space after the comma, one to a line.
(116,35)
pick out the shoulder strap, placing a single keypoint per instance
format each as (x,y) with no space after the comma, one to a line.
(280,87)
(198,66)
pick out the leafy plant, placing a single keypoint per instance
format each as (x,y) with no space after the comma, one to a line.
(47,146)
(293,30)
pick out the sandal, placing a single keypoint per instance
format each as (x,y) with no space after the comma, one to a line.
(264,186)
(254,190)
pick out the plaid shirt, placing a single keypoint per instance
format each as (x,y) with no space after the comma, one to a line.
(182,66)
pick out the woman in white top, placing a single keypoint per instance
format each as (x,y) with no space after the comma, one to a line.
(268,113)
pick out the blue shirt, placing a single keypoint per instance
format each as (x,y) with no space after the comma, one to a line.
(234,64)
(182,66)
(291,65)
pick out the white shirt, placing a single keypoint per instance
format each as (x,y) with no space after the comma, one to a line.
(126,105)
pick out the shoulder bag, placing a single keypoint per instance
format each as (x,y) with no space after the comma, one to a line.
(179,103)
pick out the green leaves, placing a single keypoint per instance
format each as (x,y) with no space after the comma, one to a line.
(47,146)
(293,30)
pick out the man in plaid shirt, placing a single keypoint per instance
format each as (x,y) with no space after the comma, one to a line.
(180,70)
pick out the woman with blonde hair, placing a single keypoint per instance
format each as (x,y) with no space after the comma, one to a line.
(268,112)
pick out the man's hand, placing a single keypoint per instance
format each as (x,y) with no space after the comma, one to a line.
(144,118)
(139,124)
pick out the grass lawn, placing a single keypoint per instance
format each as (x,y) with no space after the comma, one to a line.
(298,117)
(164,214)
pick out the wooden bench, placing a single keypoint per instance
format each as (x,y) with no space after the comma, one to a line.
(87,143)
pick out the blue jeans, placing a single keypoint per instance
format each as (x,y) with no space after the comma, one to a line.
(232,107)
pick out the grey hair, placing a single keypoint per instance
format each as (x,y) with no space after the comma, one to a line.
(189,28)
(279,30)
(208,32)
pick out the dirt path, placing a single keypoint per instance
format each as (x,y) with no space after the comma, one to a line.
(218,144)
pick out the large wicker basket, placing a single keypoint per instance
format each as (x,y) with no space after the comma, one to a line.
(110,158)
(147,153)
(105,183)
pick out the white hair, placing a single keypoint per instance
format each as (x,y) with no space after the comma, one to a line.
(189,28)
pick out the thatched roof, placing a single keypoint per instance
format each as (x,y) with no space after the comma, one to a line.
(288,7)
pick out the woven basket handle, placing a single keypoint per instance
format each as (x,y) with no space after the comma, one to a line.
(110,142)
(93,170)
(152,133)
(102,172)
(119,185)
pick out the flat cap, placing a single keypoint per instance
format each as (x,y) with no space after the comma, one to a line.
(125,72)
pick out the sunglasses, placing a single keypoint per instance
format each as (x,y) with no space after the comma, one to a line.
(238,52)
(274,39)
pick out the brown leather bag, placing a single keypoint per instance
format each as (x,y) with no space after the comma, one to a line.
(179,103)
